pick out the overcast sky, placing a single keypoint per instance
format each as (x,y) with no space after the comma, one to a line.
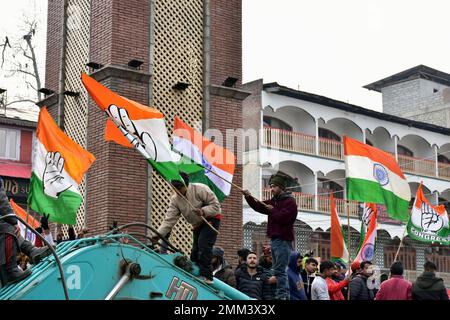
(327,47)
(333,48)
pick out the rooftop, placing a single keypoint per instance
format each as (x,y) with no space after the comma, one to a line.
(275,88)
(420,71)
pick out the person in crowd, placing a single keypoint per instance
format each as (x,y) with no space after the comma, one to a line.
(11,242)
(251,279)
(428,286)
(296,287)
(222,270)
(335,287)
(265,261)
(396,288)
(242,257)
(319,288)
(308,274)
(23,261)
(206,208)
(282,212)
(355,267)
(358,287)
(383,277)
(44,230)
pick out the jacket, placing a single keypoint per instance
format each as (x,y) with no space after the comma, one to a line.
(429,287)
(296,287)
(334,289)
(395,288)
(281,219)
(200,196)
(307,282)
(254,286)
(359,290)
(270,289)
(226,274)
(7,225)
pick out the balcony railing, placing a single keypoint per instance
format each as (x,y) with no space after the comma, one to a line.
(444,170)
(415,165)
(289,140)
(306,202)
(298,142)
(331,148)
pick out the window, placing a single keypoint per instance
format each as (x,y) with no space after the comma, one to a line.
(443,159)
(404,151)
(327,186)
(325,133)
(276,123)
(9,144)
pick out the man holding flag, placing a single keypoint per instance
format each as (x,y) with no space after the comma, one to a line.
(11,242)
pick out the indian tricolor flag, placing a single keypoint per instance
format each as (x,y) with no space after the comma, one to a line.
(132,124)
(25,233)
(216,163)
(58,167)
(338,248)
(374,176)
(367,250)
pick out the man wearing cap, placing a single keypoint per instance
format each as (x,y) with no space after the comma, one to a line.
(282,212)
(207,205)
(221,269)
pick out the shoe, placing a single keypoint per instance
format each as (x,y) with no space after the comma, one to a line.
(16,275)
(37,254)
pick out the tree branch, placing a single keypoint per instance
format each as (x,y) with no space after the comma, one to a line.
(17,101)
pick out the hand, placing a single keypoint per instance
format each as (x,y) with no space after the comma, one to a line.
(154,239)
(199,212)
(431,220)
(246,193)
(53,180)
(269,207)
(44,221)
(142,141)
(272,280)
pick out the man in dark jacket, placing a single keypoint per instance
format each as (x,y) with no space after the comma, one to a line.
(428,286)
(309,274)
(11,242)
(358,285)
(242,257)
(251,279)
(266,263)
(282,212)
(296,287)
(221,269)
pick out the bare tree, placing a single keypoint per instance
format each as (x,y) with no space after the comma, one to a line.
(22,62)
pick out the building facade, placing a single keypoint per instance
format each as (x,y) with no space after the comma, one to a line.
(16,153)
(142,49)
(301,133)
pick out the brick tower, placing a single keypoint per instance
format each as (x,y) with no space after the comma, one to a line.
(189,41)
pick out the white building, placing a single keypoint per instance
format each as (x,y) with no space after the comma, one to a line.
(300,133)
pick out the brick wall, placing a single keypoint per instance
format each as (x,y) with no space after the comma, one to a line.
(117,181)
(226,113)
(226,40)
(54,43)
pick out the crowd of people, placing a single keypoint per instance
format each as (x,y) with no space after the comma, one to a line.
(309,280)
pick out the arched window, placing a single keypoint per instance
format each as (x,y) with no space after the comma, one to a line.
(404,151)
(443,159)
(319,242)
(276,123)
(328,186)
(328,134)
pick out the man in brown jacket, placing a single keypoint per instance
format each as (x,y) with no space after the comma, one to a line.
(207,205)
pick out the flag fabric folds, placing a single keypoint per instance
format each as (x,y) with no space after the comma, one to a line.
(26,233)
(199,152)
(338,248)
(367,250)
(428,223)
(368,211)
(132,124)
(58,167)
(373,175)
